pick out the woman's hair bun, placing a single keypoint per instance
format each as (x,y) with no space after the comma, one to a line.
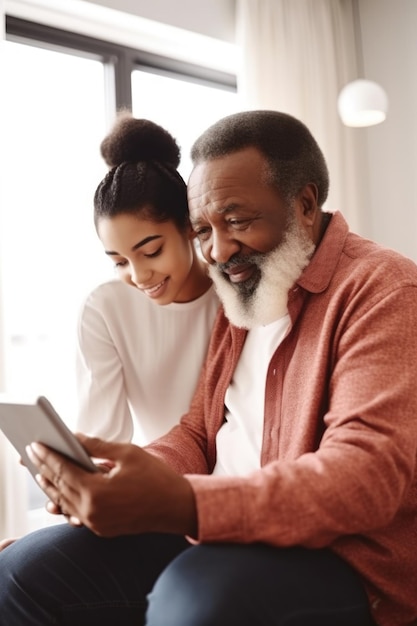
(133,140)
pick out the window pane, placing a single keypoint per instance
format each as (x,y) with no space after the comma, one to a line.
(50,254)
(184,108)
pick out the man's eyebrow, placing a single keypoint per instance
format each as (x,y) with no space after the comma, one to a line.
(196,222)
(138,245)
(229,208)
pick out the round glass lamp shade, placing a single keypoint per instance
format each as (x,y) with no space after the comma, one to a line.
(362,103)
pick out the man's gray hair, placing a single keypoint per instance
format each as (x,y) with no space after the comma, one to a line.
(293,155)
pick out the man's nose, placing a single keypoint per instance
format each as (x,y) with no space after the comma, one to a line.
(221,247)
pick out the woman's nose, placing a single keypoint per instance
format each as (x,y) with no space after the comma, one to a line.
(140,276)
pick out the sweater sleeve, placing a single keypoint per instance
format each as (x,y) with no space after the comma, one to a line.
(103,409)
(190,446)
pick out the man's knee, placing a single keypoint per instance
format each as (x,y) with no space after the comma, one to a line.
(192,590)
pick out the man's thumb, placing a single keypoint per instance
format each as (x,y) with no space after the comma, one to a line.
(99,448)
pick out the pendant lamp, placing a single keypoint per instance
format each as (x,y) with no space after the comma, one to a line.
(361,102)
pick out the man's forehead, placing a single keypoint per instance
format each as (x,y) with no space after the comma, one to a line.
(216,195)
(249,157)
(210,179)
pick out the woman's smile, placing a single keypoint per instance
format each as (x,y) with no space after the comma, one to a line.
(157,290)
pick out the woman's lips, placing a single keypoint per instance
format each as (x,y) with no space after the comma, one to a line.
(155,290)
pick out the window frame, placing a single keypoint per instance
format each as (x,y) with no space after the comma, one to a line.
(119,61)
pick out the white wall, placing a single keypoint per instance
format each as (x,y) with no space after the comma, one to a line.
(214,18)
(2,169)
(389,29)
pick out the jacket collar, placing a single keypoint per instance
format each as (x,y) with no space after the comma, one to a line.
(318,273)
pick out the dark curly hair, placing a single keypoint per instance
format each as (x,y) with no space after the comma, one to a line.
(292,153)
(143,178)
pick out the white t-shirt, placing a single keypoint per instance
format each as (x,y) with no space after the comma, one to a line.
(138,362)
(239,440)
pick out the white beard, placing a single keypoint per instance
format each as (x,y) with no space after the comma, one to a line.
(279,269)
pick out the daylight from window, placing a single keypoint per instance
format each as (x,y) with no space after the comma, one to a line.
(50,256)
(184,108)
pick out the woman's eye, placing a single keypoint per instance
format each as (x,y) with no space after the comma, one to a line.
(120,264)
(152,255)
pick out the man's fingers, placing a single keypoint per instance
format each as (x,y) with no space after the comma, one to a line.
(57,477)
(51,491)
(53,508)
(54,467)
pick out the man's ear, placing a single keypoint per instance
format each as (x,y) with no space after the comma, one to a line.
(307,205)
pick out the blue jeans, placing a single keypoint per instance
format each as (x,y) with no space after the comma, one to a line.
(69,576)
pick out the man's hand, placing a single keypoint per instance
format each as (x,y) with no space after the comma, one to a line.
(139,493)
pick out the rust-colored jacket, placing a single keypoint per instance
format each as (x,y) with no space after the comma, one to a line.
(340,425)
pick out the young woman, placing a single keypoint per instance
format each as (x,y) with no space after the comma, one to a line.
(142,338)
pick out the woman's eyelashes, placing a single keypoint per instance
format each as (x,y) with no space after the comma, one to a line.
(151,255)
(148,255)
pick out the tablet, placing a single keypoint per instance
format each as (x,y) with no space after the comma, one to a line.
(38,421)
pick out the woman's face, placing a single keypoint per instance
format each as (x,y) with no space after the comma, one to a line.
(155,257)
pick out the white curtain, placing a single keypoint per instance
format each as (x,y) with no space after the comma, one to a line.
(13,493)
(296,56)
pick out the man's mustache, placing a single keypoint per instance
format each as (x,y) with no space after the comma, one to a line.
(239,259)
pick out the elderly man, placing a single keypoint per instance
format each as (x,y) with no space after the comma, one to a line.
(287,494)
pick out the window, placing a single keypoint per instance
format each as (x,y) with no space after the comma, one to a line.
(63,90)
(192,107)
(50,255)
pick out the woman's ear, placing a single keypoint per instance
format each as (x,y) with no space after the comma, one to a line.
(190,232)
